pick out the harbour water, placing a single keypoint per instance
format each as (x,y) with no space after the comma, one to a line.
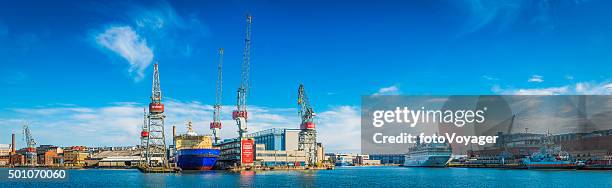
(342,176)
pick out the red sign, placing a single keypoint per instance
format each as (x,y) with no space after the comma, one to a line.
(307,125)
(247,151)
(156,107)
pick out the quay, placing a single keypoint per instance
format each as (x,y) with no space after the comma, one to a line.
(145,169)
(279,168)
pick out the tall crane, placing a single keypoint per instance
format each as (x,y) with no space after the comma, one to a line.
(144,135)
(240,114)
(30,145)
(308,135)
(216,124)
(155,150)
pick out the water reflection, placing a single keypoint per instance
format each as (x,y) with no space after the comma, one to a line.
(246,178)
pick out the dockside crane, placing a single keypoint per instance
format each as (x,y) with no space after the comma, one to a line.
(308,133)
(155,150)
(144,134)
(215,125)
(240,114)
(30,145)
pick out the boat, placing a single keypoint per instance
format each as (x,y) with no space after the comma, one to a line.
(550,157)
(195,152)
(428,155)
(343,160)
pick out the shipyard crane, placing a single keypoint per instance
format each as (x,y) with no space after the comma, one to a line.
(30,145)
(155,149)
(216,124)
(240,114)
(507,153)
(144,134)
(308,134)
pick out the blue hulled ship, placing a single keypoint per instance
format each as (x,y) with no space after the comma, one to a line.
(195,152)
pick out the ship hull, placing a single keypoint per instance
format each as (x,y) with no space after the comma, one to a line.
(551,165)
(427,161)
(197,159)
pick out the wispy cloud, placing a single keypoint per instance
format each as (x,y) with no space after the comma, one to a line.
(125,42)
(391,90)
(499,15)
(119,124)
(536,78)
(147,32)
(580,88)
(487,77)
(172,33)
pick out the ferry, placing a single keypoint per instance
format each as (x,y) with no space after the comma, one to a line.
(428,155)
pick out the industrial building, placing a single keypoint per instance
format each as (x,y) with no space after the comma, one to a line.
(75,156)
(5,151)
(277,138)
(364,160)
(273,147)
(264,157)
(116,158)
(389,159)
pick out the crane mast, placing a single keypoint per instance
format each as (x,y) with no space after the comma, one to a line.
(308,134)
(240,114)
(216,124)
(144,134)
(155,149)
(30,144)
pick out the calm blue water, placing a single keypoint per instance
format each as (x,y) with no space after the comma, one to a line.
(343,177)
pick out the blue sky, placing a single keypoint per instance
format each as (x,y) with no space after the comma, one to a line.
(82,65)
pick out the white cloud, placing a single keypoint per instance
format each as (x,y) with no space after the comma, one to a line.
(543,91)
(391,90)
(125,42)
(119,124)
(339,129)
(536,78)
(594,89)
(580,88)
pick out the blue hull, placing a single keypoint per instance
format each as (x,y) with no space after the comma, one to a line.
(197,159)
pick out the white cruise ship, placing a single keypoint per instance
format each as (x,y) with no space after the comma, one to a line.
(428,155)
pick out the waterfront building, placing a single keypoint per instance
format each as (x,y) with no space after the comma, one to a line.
(75,155)
(343,159)
(365,160)
(230,153)
(282,140)
(389,159)
(5,149)
(115,158)
(264,157)
(277,138)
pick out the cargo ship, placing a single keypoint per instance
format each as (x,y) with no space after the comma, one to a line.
(428,155)
(195,152)
(550,157)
